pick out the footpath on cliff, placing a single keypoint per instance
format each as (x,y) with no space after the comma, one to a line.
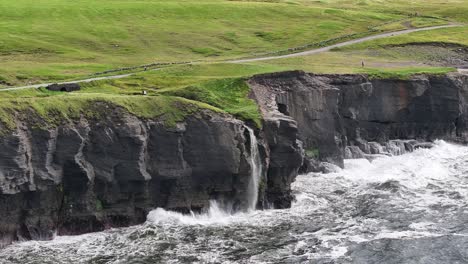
(246,60)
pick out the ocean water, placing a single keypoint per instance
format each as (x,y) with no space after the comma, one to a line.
(404,209)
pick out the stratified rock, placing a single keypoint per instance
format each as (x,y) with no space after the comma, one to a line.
(370,116)
(285,150)
(353,152)
(91,174)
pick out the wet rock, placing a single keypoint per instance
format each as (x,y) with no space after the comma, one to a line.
(423,145)
(375,148)
(395,147)
(409,145)
(286,157)
(353,152)
(313,165)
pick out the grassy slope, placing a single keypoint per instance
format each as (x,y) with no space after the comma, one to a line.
(55,39)
(173,93)
(55,109)
(453,10)
(379,57)
(457,35)
(81,37)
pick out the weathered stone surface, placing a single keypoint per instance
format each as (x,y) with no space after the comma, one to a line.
(90,175)
(309,101)
(338,115)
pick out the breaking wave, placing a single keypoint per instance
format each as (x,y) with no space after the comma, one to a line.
(403,209)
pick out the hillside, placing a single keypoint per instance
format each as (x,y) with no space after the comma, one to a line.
(82,38)
(56,40)
(155,131)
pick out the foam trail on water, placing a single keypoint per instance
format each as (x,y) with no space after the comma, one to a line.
(256,171)
(416,201)
(214,215)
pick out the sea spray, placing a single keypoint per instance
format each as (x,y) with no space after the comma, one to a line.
(414,205)
(217,214)
(256,171)
(214,215)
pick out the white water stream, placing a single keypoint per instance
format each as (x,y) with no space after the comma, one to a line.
(256,170)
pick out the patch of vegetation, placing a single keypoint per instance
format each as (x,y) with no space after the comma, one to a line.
(407,73)
(312,153)
(231,95)
(221,86)
(173,93)
(99,206)
(53,110)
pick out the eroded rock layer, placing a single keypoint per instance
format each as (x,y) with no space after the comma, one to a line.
(342,116)
(93,174)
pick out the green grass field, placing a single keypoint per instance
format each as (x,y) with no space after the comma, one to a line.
(52,40)
(48,40)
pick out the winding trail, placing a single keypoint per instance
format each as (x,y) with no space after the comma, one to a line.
(342,44)
(298,54)
(77,81)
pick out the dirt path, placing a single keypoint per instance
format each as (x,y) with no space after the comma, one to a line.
(78,81)
(304,53)
(342,44)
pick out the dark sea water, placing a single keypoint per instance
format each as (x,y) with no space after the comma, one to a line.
(405,209)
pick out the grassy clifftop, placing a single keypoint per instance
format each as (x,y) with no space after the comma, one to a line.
(55,39)
(173,94)
(51,40)
(50,109)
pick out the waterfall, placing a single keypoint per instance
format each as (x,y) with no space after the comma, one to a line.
(256,171)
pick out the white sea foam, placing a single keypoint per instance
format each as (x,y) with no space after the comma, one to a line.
(214,215)
(417,195)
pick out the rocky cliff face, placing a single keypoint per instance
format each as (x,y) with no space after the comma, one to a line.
(93,174)
(353,115)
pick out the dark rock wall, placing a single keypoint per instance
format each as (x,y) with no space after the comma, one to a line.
(90,175)
(336,111)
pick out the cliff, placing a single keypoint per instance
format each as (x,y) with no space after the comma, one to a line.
(93,172)
(353,115)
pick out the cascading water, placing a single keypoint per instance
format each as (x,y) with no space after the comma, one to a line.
(402,209)
(256,171)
